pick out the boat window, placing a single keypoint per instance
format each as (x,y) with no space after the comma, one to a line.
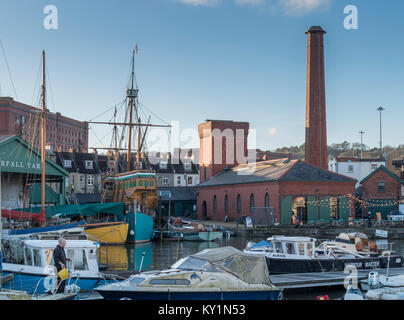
(301,248)
(177,282)
(137,280)
(151,183)
(198,264)
(290,248)
(79,259)
(309,249)
(278,247)
(37,258)
(140,183)
(146,183)
(49,257)
(232,264)
(28,256)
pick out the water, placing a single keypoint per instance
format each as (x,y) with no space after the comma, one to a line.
(161,255)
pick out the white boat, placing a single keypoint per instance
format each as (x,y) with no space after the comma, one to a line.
(212,274)
(31,264)
(301,255)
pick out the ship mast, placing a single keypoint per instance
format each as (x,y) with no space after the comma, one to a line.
(131,94)
(43,137)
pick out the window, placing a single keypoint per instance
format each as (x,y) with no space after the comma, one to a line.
(267,203)
(90,180)
(226,204)
(238,204)
(205,173)
(37,258)
(178,180)
(137,280)
(252,203)
(189,180)
(28,256)
(164,282)
(67,163)
(300,246)
(290,248)
(350,168)
(89,164)
(214,204)
(165,180)
(381,187)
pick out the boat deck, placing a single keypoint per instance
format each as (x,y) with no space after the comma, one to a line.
(324,279)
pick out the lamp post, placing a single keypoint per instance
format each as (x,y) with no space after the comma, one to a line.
(361,133)
(380,109)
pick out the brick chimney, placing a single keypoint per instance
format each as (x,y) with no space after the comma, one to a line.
(316,126)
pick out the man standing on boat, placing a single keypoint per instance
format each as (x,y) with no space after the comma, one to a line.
(59,258)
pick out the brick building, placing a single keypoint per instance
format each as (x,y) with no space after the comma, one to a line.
(62,133)
(382,190)
(277,187)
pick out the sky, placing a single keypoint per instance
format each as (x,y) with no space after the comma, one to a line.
(241,60)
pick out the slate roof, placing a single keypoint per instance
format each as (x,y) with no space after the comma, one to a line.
(276,170)
(383,168)
(178,193)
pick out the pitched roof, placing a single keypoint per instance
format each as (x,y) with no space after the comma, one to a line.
(276,170)
(177,193)
(383,168)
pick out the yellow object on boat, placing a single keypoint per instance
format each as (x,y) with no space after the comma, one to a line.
(107,233)
(63,274)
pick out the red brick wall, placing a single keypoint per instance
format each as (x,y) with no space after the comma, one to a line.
(61,133)
(393,187)
(207,146)
(274,189)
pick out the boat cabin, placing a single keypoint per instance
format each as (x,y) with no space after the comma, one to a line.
(138,185)
(39,253)
(297,246)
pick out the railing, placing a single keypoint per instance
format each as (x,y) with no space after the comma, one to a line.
(68,284)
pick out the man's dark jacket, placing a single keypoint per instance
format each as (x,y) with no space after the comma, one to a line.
(59,256)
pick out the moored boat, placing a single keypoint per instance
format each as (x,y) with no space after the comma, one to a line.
(107,232)
(301,255)
(212,274)
(192,231)
(31,263)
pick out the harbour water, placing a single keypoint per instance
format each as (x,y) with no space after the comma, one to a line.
(161,255)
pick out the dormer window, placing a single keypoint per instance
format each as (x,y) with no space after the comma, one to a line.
(67,163)
(188,166)
(89,164)
(163,165)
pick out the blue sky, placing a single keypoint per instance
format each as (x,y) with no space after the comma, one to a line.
(242,60)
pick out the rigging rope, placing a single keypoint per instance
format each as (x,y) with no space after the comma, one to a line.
(8,68)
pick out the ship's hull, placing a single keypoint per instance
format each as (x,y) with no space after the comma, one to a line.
(285,266)
(194,295)
(140,229)
(107,234)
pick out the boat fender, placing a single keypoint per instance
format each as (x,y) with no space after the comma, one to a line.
(373,280)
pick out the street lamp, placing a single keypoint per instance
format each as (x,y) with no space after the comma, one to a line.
(380,109)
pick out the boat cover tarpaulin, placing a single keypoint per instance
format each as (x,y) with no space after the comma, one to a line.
(250,268)
(91,209)
(262,244)
(20,215)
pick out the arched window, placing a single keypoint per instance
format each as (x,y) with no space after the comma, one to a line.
(226,204)
(267,203)
(252,203)
(205,173)
(238,204)
(214,204)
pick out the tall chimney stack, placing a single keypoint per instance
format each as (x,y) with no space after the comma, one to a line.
(316,126)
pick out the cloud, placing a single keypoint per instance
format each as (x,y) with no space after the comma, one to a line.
(273,132)
(208,3)
(289,7)
(302,7)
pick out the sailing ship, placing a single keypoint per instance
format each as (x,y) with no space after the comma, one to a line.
(136,187)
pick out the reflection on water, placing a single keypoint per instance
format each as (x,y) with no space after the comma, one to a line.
(158,255)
